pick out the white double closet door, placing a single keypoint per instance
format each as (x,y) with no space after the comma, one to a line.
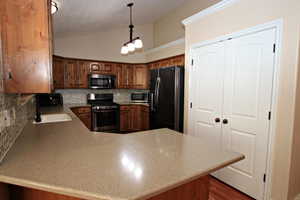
(231,95)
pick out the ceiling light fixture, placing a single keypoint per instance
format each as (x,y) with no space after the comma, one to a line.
(133,43)
(54,7)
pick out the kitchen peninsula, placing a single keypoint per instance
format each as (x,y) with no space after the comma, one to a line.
(65,158)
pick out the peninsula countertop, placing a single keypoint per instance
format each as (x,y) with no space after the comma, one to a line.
(66,158)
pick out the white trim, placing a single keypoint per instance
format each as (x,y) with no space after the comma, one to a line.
(208,11)
(297,197)
(278,25)
(170,44)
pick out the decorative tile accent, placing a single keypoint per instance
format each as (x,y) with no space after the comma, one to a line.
(79,95)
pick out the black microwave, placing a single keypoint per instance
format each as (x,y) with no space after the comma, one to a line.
(99,81)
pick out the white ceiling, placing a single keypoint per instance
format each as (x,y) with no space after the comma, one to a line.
(93,15)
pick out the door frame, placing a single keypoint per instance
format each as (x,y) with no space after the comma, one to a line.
(278,26)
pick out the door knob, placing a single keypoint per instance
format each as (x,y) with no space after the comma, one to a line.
(225,121)
(217,120)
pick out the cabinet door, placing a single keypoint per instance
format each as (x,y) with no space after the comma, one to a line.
(125,118)
(145,118)
(130,74)
(136,122)
(82,74)
(58,73)
(71,74)
(26,46)
(108,68)
(124,76)
(140,77)
(86,119)
(119,76)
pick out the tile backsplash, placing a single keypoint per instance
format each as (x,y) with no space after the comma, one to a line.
(79,95)
(14,114)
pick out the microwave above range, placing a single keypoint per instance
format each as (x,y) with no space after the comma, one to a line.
(98,81)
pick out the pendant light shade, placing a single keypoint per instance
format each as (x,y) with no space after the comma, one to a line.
(138,43)
(131,47)
(124,50)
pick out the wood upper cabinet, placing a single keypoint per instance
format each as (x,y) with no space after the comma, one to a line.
(82,74)
(71,74)
(26,45)
(84,113)
(134,118)
(140,77)
(131,76)
(58,72)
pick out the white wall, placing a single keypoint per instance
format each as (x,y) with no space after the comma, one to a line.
(103,45)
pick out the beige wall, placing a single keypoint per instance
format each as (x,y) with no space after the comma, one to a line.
(294,188)
(105,45)
(169,28)
(245,14)
(165,52)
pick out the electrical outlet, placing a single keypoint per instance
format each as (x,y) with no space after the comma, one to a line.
(7,119)
(13,116)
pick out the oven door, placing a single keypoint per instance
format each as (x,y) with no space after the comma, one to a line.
(106,120)
(97,81)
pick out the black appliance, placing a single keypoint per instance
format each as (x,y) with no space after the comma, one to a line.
(139,97)
(99,81)
(167,98)
(47,100)
(105,113)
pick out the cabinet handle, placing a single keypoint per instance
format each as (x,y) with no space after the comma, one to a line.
(225,121)
(217,120)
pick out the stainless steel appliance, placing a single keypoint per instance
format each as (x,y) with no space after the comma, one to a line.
(166,98)
(139,97)
(99,81)
(105,113)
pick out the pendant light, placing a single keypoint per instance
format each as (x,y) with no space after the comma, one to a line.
(133,43)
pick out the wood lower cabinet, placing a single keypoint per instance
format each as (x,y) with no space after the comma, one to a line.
(84,114)
(194,190)
(134,118)
(26,46)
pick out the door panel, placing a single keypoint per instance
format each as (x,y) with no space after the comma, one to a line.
(207,76)
(247,102)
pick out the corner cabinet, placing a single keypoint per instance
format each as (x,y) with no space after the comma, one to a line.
(134,118)
(26,46)
(84,113)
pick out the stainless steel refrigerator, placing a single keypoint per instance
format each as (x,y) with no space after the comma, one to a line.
(166,98)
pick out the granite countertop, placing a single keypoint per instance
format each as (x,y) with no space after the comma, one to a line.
(66,158)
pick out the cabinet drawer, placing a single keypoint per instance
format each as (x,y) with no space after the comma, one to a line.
(125,107)
(81,110)
(145,108)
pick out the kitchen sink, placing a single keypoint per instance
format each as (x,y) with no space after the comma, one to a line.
(52,118)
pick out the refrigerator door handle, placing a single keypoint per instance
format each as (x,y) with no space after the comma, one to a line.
(157,93)
(152,102)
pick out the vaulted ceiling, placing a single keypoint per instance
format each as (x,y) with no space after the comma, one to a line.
(94,15)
